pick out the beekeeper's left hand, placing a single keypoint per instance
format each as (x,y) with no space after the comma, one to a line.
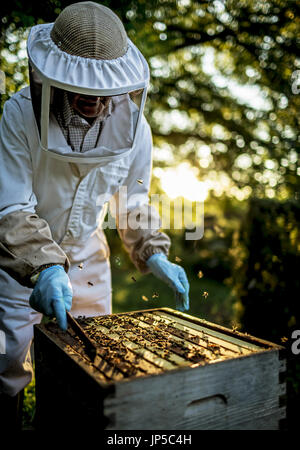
(174,276)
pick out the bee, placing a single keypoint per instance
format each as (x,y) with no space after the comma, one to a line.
(218,231)
(205,294)
(117,261)
(133,279)
(200,274)
(284,339)
(177,259)
(90,283)
(140,181)
(144,298)
(155,295)
(80,266)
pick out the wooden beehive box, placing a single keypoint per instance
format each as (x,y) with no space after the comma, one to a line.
(158,369)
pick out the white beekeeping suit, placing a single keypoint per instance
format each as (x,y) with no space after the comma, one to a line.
(54,190)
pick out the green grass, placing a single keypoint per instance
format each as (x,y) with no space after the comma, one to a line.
(218,307)
(29,405)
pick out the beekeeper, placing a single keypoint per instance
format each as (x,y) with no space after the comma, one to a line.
(68,143)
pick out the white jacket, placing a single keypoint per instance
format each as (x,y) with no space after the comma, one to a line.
(70,197)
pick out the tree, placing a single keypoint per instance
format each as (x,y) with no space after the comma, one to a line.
(206,60)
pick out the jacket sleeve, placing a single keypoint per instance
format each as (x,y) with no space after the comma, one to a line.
(138,222)
(25,239)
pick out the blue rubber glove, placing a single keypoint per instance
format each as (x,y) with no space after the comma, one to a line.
(174,276)
(52,294)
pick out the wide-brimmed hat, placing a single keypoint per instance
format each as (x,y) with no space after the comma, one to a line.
(87,48)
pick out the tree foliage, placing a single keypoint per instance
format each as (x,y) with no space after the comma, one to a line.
(224,84)
(265,277)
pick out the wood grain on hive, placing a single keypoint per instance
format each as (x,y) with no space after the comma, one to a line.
(161,369)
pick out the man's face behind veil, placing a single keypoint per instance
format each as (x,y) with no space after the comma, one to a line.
(89,106)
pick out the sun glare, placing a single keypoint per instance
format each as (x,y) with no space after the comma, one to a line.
(182,181)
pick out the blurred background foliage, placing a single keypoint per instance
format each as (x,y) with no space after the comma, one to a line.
(224,110)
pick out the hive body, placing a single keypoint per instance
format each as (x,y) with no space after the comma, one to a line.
(158,369)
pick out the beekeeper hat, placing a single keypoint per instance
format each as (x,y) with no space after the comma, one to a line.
(90,30)
(87,51)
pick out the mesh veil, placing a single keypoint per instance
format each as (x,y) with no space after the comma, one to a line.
(90,30)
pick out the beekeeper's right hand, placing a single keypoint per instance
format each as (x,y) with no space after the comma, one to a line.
(52,294)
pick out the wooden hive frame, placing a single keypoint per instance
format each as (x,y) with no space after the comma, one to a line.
(239,386)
